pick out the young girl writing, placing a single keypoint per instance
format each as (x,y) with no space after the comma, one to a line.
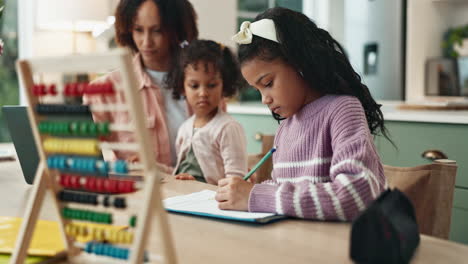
(326,166)
(210,145)
(154,30)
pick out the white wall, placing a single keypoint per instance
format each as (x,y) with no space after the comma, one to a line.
(426,23)
(217,19)
(327,14)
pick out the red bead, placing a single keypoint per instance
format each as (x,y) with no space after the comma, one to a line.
(42,89)
(73,89)
(66,180)
(109,88)
(35,89)
(120,186)
(111,186)
(132,186)
(81,88)
(61,179)
(93,88)
(75,182)
(87,88)
(128,187)
(91,184)
(52,89)
(100,185)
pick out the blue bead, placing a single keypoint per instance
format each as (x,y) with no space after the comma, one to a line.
(121,253)
(73,164)
(102,166)
(91,165)
(89,247)
(125,253)
(83,165)
(113,251)
(50,162)
(121,166)
(107,251)
(99,250)
(54,162)
(62,163)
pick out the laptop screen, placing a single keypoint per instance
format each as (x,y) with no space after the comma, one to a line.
(20,130)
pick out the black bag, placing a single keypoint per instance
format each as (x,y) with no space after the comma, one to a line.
(386,232)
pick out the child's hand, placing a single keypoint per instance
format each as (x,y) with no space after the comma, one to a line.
(233,193)
(185,177)
(253,178)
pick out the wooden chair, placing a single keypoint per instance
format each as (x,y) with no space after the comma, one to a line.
(264,172)
(430,188)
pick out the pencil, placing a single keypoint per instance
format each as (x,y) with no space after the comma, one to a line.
(252,171)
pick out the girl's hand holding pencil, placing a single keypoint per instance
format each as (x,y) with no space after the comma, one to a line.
(233,193)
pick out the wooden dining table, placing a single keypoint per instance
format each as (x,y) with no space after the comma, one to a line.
(207,240)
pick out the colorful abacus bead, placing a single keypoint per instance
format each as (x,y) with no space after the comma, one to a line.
(133,221)
(103,128)
(83,198)
(106,250)
(39,89)
(72,146)
(87,215)
(52,89)
(87,198)
(100,88)
(120,166)
(81,88)
(52,109)
(94,184)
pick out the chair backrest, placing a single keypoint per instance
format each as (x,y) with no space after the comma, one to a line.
(264,172)
(430,188)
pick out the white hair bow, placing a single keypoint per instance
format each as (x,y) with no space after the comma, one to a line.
(264,28)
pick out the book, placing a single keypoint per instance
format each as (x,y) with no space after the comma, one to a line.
(46,239)
(204,204)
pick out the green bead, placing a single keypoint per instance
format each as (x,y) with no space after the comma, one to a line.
(64,129)
(84,128)
(74,126)
(58,128)
(43,127)
(103,128)
(133,221)
(87,215)
(52,128)
(93,130)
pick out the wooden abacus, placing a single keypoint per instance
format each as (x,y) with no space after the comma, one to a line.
(70,160)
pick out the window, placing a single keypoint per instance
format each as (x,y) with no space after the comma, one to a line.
(9,86)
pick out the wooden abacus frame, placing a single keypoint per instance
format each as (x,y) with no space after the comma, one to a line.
(151,204)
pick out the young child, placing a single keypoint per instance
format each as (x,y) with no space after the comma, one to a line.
(326,166)
(154,30)
(210,144)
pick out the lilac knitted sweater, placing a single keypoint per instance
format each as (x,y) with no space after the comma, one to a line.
(326,166)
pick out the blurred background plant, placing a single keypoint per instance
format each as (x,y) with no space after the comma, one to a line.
(452,37)
(9,88)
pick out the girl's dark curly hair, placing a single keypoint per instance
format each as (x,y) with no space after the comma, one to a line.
(209,53)
(178,21)
(321,59)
